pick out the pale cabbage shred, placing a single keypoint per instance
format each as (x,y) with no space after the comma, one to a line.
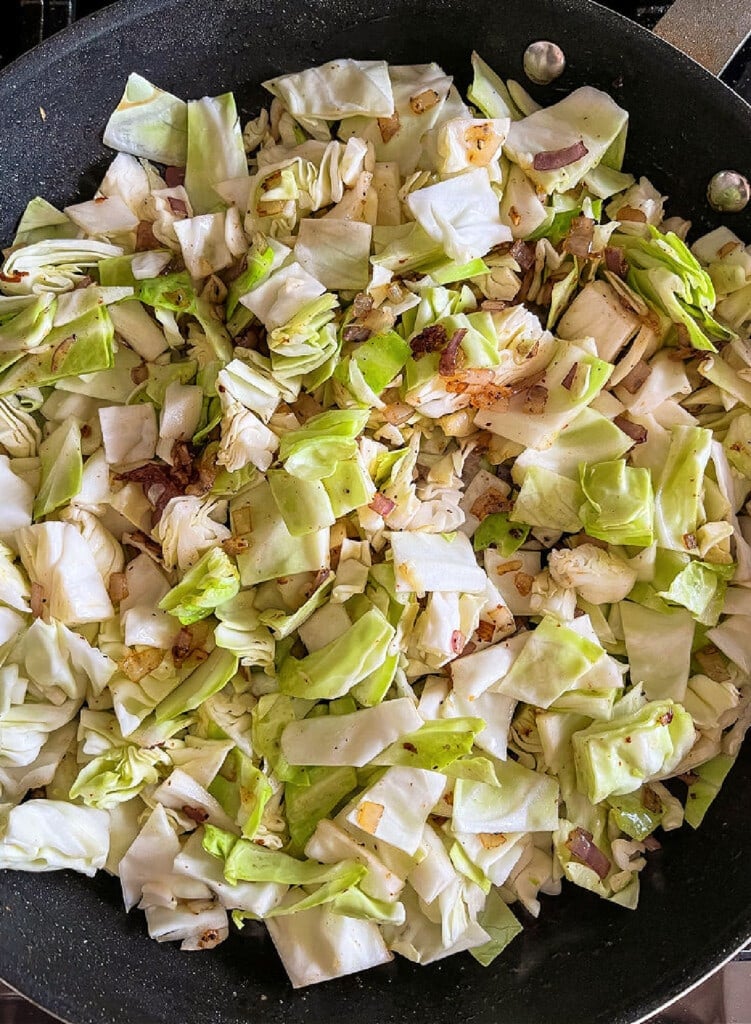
(316,611)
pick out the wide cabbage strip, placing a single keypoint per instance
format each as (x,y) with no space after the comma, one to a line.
(553,660)
(353,739)
(149,123)
(374,552)
(334,669)
(339,89)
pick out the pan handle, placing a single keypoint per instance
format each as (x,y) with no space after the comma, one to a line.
(709,31)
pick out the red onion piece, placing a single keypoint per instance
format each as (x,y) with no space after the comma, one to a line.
(553,159)
(615,260)
(382,505)
(583,849)
(457,641)
(524,254)
(356,332)
(145,237)
(174,176)
(568,380)
(177,205)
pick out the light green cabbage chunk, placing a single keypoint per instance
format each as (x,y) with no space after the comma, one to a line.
(212,581)
(614,758)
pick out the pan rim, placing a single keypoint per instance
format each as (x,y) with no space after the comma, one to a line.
(121,12)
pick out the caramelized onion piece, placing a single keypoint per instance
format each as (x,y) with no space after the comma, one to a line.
(578,241)
(234,546)
(60,354)
(651,800)
(632,214)
(524,254)
(389,126)
(140,663)
(196,814)
(485,631)
(424,100)
(523,583)
(447,362)
(635,378)
(507,567)
(182,646)
(397,412)
(525,383)
(430,339)
(615,260)
(362,304)
(490,502)
(37,600)
(118,587)
(713,663)
(635,431)
(145,237)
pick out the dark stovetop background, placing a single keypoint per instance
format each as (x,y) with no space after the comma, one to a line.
(726,997)
(26,22)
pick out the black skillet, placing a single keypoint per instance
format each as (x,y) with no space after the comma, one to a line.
(64,940)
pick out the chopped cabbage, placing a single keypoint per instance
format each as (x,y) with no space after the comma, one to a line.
(375,542)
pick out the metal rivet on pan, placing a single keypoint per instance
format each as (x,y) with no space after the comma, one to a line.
(543,62)
(728,192)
